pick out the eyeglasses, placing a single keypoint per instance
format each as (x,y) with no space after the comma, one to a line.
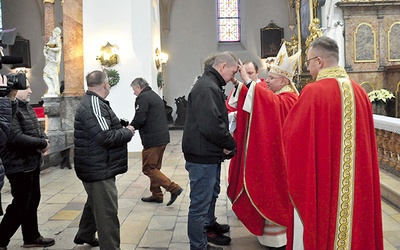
(307,62)
(274,77)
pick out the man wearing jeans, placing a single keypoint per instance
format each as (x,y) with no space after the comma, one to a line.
(206,143)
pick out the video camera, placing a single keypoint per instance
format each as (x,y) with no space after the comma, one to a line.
(14,81)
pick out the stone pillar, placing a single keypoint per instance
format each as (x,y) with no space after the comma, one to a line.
(67,112)
(73,48)
(73,64)
(54,128)
(48,18)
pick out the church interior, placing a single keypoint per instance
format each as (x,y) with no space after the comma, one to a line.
(167,41)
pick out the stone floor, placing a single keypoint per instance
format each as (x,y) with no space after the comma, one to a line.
(143,225)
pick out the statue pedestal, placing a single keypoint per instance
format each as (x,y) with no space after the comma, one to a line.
(54,129)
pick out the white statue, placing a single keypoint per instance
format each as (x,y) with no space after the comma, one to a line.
(52,54)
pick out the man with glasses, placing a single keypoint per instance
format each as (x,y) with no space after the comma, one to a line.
(257,174)
(332,162)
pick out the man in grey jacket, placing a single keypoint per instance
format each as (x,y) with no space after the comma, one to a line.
(100,154)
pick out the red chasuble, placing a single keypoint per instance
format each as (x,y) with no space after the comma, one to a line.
(257,174)
(260,81)
(332,165)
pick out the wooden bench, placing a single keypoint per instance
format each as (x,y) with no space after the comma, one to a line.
(50,157)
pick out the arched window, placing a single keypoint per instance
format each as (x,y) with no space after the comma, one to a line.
(228,21)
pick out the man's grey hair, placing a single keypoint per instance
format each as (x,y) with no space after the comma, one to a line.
(327,47)
(210,60)
(96,78)
(225,57)
(142,83)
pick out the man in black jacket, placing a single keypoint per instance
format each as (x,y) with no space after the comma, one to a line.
(22,158)
(8,107)
(100,154)
(151,121)
(206,143)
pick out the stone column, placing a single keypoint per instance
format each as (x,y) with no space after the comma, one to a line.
(48,18)
(54,128)
(73,48)
(73,64)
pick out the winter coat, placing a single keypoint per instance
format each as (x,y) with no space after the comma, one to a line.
(100,141)
(151,119)
(25,139)
(206,131)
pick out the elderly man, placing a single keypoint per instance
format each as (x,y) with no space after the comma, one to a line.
(332,160)
(258,185)
(101,153)
(152,124)
(206,143)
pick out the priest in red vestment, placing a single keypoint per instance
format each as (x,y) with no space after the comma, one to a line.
(332,161)
(252,71)
(257,174)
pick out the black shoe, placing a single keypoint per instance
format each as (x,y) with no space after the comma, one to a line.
(209,247)
(174,196)
(40,242)
(218,228)
(93,243)
(218,239)
(277,248)
(3,248)
(152,199)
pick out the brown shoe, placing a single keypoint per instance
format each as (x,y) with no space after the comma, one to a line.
(39,242)
(152,199)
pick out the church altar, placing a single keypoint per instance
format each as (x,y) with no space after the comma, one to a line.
(387,130)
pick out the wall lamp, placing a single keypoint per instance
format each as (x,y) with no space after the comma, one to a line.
(161,58)
(108,56)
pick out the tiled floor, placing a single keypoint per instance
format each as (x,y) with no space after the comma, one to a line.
(143,225)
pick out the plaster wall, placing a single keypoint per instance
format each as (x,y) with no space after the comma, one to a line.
(193,36)
(133,25)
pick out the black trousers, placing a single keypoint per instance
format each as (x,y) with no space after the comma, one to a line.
(25,189)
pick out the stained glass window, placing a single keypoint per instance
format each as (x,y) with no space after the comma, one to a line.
(228,21)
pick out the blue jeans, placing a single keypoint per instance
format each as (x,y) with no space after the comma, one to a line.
(204,190)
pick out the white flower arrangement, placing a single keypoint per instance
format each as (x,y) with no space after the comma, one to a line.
(380,95)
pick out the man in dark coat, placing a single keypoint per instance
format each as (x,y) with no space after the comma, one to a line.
(8,107)
(22,158)
(206,143)
(100,154)
(151,121)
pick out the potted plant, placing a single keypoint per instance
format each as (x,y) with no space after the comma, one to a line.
(380,100)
